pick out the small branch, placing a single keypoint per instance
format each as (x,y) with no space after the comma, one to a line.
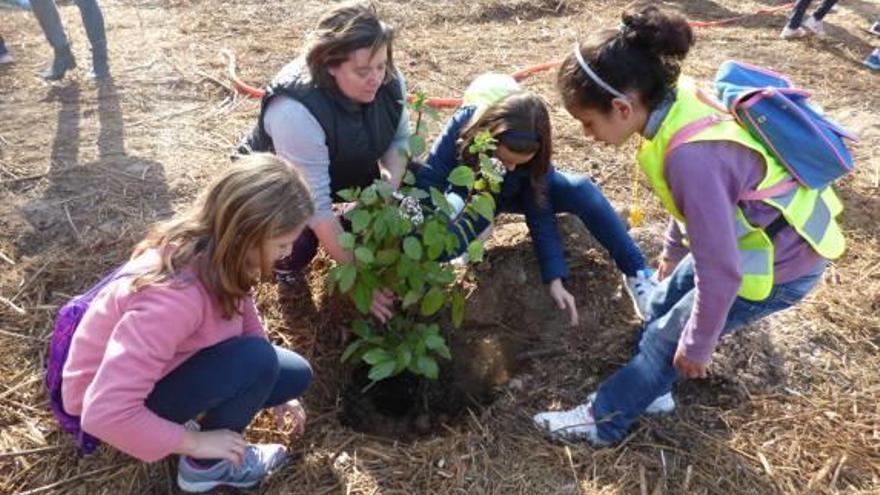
(7,258)
(72,225)
(18,309)
(38,450)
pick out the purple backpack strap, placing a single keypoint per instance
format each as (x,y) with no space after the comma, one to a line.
(66,324)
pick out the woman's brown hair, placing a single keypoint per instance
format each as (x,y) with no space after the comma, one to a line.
(520,121)
(340,32)
(258,198)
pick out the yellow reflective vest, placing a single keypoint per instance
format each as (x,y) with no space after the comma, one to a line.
(811,212)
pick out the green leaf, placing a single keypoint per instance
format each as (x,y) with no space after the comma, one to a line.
(411,298)
(383,187)
(480,185)
(347,276)
(360,219)
(350,194)
(387,257)
(461,176)
(377,355)
(363,297)
(417,145)
(382,370)
(475,251)
(364,255)
(409,178)
(351,349)
(412,248)
(485,206)
(404,356)
(346,240)
(361,328)
(417,193)
(369,196)
(428,366)
(432,302)
(457,309)
(434,341)
(440,201)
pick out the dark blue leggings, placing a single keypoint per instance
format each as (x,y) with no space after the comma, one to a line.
(800,9)
(230,382)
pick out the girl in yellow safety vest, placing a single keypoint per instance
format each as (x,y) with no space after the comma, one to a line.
(728,260)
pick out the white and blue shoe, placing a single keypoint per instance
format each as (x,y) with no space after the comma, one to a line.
(640,288)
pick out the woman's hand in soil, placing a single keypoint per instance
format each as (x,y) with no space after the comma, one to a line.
(297,415)
(383,301)
(564,300)
(688,368)
(214,444)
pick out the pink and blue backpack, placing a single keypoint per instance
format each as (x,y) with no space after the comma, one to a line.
(805,141)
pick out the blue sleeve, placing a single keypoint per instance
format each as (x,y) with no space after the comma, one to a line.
(544,231)
(444,153)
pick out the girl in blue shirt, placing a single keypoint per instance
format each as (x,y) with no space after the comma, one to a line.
(520,123)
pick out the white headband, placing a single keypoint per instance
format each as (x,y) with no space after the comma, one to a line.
(598,80)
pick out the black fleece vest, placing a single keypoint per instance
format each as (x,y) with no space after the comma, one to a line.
(357,135)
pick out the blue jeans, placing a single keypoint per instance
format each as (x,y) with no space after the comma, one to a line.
(230,382)
(578,195)
(800,10)
(649,374)
(47,15)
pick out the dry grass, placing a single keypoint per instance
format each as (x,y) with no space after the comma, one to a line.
(792,406)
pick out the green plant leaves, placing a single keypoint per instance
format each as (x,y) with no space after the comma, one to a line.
(475,251)
(462,176)
(428,366)
(364,254)
(346,240)
(412,248)
(484,204)
(360,219)
(382,370)
(457,309)
(432,302)
(347,276)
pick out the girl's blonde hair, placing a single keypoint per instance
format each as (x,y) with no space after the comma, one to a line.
(258,198)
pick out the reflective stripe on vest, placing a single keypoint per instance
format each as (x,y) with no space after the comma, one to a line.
(810,212)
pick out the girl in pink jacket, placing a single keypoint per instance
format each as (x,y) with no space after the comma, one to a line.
(171,356)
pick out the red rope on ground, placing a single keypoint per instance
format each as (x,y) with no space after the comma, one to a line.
(246,89)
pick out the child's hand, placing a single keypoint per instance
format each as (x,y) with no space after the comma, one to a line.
(564,300)
(664,269)
(297,413)
(383,299)
(688,368)
(214,444)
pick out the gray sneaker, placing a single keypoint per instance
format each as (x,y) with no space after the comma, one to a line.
(259,461)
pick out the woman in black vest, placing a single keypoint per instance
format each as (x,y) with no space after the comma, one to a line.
(337,113)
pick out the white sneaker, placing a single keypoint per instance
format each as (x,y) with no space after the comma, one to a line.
(259,461)
(6,58)
(574,424)
(640,289)
(816,26)
(790,34)
(661,406)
